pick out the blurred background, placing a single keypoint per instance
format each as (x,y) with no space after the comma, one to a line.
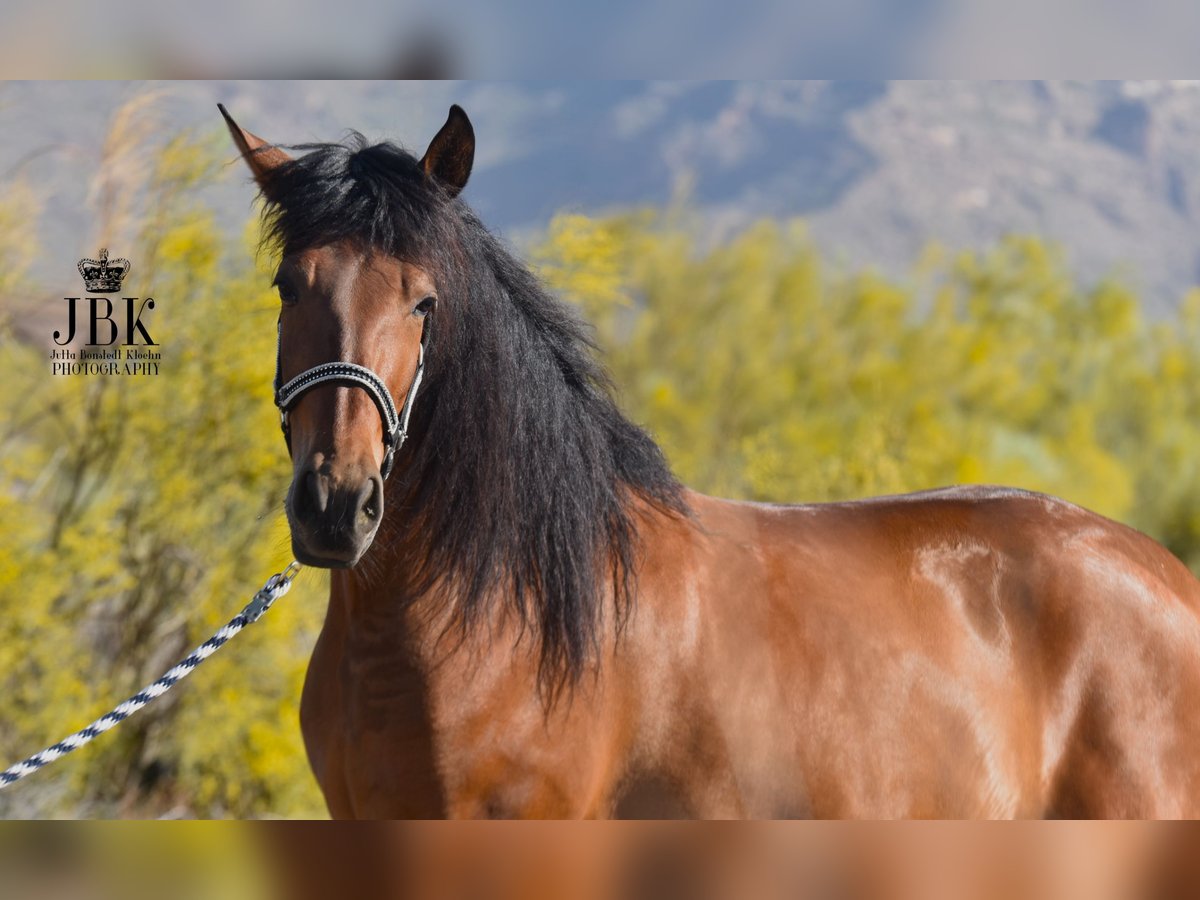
(807,291)
(603,861)
(619,39)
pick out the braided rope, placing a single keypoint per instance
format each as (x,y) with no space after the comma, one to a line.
(277,585)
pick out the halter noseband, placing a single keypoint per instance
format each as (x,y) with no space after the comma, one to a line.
(395,425)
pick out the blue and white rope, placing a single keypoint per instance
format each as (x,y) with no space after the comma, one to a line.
(277,585)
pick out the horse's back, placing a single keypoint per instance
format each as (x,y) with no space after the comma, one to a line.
(961,652)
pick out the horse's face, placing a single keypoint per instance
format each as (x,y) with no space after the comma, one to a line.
(339,303)
(343,303)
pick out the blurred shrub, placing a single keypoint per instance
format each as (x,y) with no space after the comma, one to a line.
(767,377)
(139,514)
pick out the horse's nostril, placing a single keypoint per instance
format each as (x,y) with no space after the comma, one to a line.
(371,499)
(318,490)
(310,495)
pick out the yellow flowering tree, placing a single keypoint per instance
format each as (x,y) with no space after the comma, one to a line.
(140,513)
(767,376)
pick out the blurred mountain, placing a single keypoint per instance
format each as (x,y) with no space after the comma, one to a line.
(1111,170)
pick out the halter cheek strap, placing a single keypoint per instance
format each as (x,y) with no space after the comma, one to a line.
(395,425)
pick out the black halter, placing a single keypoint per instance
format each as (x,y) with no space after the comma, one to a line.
(395,425)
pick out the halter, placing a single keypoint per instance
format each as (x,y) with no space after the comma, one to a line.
(395,425)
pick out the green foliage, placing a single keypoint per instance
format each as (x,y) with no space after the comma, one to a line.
(139,513)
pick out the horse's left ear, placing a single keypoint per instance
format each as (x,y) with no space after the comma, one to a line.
(451,152)
(261,156)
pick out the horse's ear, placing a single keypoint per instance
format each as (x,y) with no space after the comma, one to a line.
(451,152)
(261,156)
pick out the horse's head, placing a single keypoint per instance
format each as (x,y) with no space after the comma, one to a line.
(354,291)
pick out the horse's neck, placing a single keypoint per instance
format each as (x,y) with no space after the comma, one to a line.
(378,607)
(382,617)
(382,624)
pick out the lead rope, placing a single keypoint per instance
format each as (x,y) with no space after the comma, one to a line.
(277,585)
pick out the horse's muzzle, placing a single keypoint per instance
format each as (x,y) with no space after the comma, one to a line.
(333,521)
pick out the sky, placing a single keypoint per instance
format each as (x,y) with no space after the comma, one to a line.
(692,39)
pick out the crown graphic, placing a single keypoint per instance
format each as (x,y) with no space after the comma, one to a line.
(103,275)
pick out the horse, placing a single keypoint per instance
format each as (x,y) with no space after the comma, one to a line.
(529,616)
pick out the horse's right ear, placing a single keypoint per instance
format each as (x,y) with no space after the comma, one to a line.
(261,156)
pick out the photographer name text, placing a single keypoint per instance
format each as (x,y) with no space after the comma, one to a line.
(112,361)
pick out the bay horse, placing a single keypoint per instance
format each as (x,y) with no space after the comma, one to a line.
(531,617)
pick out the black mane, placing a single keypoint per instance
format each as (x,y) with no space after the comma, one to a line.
(518,477)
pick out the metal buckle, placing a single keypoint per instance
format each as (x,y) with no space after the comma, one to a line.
(276,586)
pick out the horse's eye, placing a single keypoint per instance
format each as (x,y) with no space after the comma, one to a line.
(287,296)
(425,307)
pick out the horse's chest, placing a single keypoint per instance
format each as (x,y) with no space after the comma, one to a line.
(367,729)
(389,737)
